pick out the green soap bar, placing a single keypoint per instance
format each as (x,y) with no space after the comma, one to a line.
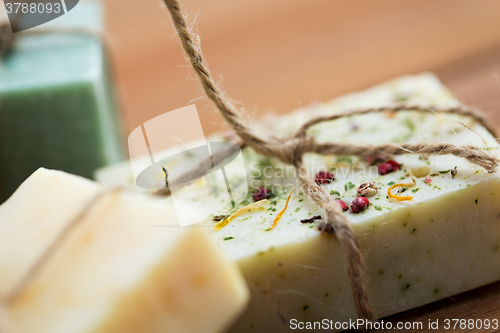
(57,108)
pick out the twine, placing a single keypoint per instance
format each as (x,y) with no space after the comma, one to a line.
(291,150)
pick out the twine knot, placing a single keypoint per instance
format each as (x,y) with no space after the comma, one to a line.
(288,150)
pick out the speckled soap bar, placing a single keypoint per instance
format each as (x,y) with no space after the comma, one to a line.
(57,108)
(444,241)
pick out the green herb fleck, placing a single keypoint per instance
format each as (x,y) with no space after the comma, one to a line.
(378,208)
(297,209)
(332,192)
(444,171)
(475,201)
(267,229)
(349,186)
(345,159)
(410,124)
(415,190)
(407,286)
(306,307)
(414,230)
(301,200)
(228,238)
(391,183)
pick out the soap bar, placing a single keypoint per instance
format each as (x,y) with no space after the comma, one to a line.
(442,242)
(57,105)
(112,270)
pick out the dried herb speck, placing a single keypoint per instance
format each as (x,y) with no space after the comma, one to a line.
(454,173)
(311,220)
(326,228)
(221,217)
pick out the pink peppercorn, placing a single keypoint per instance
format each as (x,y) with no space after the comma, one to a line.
(427,180)
(395,165)
(261,194)
(324,177)
(343,205)
(388,167)
(359,204)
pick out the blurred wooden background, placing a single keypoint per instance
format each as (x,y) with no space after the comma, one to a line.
(277,55)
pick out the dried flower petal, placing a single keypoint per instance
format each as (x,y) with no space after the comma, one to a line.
(401,198)
(278,217)
(259,205)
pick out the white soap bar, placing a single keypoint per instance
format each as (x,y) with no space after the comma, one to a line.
(113,271)
(443,242)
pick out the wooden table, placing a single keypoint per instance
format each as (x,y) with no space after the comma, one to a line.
(277,55)
(482,303)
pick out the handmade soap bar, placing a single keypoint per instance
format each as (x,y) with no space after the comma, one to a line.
(57,106)
(111,270)
(444,241)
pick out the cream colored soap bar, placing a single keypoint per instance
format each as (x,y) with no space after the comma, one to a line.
(443,242)
(113,271)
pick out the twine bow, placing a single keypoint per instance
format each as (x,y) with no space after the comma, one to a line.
(291,150)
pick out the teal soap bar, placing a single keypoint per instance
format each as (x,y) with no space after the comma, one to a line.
(57,107)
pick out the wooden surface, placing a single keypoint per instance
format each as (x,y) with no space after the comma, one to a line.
(479,304)
(277,55)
